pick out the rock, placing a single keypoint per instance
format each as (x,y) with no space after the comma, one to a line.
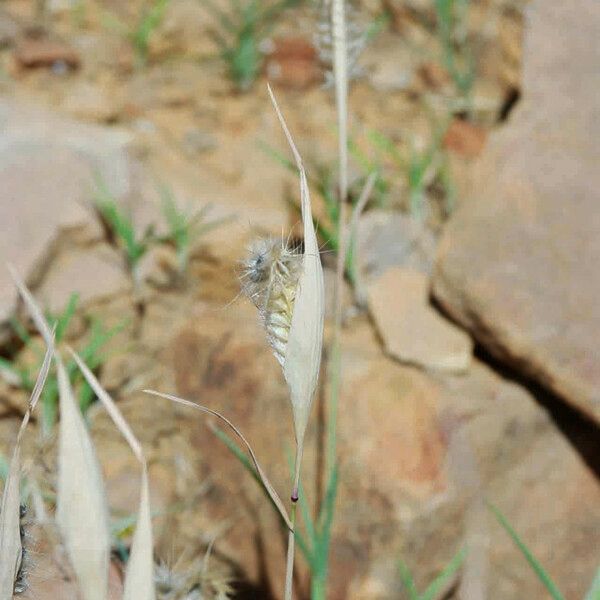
(91,102)
(411,329)
(94,273)
(464,138)
(292,63)
(9,29)
(400,426)
(434,76)
(35,52)
(389,238)
(47,170)
(518,263)
(197,141)
(389,65)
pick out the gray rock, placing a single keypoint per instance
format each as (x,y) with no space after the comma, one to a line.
(519,261)
(411,329)
(388,239)
(47,170)
(94,273)
(9,29)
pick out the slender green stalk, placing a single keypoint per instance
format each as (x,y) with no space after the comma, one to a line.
(289,569)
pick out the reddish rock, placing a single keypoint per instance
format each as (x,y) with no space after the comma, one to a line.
(518,262)
(411,329)
(292,63)
(434,76)
(464,138)
(35,52)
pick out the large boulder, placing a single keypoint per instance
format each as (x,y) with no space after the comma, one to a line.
(48,168)
(518,263)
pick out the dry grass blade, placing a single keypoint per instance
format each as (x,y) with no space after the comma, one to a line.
(81,511)
(10,535)
(139,579)
(111,407)
(303,354)
(264,479)
(33,308)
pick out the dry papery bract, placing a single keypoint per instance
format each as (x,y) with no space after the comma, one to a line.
(11,549)
(82,512)
(139,578)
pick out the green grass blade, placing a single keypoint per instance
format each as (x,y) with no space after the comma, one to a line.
(407,581)
(20,331)
(533,563)
(436,586)
(277,156)
(594,591)
(63,320)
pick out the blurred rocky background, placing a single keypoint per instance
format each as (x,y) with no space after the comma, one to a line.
(470,361)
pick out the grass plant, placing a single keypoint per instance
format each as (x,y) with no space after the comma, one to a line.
(457,56)
(120,231)
(139,34)
(23,373)
(592,594)
(240,32)
(437,586)
(184,227)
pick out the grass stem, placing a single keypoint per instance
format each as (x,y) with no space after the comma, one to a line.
(289,570)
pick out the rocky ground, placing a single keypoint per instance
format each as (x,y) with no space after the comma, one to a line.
(469,366)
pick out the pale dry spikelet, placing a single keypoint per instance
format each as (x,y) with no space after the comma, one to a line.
(270,279)
(323,39)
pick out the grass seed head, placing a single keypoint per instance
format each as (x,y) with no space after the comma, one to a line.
(270,279)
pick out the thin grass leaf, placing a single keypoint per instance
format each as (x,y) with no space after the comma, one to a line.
(437,585)
(63,320)
(277,156)
(594,591)
(533,563)
(326,522)
(264,479)
(81,511)
(235,450)
(407,581)
(247,464)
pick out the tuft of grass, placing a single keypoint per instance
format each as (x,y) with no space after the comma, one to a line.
(315,543)
(241,29)
(420,169)
(437,585)
(119,230)
(23,374)
(457,57)
(184,227)
(139,34)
